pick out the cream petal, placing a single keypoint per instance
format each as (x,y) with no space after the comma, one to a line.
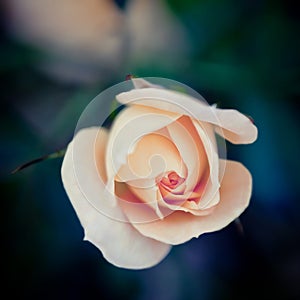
(140,83)
(131,124)
(205,193)
(180,227)
(185,137)
(235,127)
(192,208)
(119,242)
(99,150)
(153,154)
(145,190)
(210,193)
(231,124)
(147,195)
(140,211)
(179,203)
(163,99)
(89,146)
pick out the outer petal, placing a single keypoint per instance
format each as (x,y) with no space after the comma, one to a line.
(140,83)
(231,124)
(235,127)
(120,243)
(211,188)
(180,227)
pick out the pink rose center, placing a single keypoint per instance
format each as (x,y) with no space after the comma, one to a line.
(171,180)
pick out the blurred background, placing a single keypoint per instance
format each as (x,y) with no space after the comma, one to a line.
(57,55)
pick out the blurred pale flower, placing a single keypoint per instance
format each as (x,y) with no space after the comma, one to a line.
(154,31)
(155,178)
(79,36)
(86,40)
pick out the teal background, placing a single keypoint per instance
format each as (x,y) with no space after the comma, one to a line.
(243,55)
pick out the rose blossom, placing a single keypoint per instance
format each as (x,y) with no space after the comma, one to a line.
(155,179)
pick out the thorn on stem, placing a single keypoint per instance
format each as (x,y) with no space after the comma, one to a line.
(129,77)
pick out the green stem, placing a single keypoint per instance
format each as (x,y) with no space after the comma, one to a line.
(57,154)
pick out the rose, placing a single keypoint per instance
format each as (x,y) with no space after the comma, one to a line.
(155,178)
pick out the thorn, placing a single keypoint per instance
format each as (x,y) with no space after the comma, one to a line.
(129,77)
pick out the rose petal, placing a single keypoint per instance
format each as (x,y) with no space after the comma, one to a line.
(231,124)
(186,139)
(144,191)
(119,242)
(235,127)
(196,146)
(89,146)
(180,227)
(141,212)
(179,203)
(131,124)
(210,188)
(153,154)
(147,195)
(140,83)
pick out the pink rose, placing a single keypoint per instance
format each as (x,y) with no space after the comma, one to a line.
(155,178)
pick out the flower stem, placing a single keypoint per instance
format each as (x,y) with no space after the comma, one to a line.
(57,154)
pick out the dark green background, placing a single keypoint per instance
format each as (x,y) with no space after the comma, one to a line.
(244,55)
